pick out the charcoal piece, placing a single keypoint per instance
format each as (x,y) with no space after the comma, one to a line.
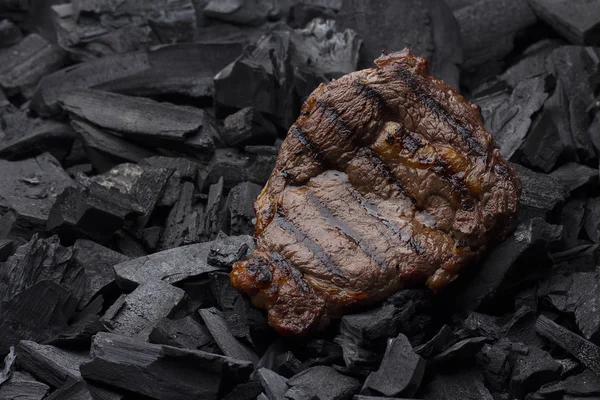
(83,328)
(214,218)
(25,63)
(129,246)
(327,382)
(532,371)
(50,364)
(540,193)
(436,344)
(262,396)
(148,369)
(176,228)
(137,314)
(488,29)
(38,261)
(302,12)
(300,393)
(72,390)
(428,28)
(183,170)
(580,348)
(6,371)
(496,363)
(23,387)
(221,333)
(10,34)
(360,397)
(28,190)
(533,62)
(236,167)
(248,127)
(274,385)
(97,261)
(572,221)
(245,391)
(400,372)
(462,351)
(582,258)
(6,249)
(576,21)
(39,313)
(246,12)
(151,236)
(240,204)
(502,264)
(585,384)
(484,325)
(170,266)
(592,219)
(464,385)
(226,250)
(187,333)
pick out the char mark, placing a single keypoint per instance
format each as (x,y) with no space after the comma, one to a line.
(440,112)
(301,237)
(346,230)
(333,115)
(283,265)
(307,142)
(383,169)
(371,94)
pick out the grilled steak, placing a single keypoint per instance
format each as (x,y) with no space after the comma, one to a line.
(387,180)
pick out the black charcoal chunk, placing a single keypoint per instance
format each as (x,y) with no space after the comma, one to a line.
(236,167)
(24,64)
(460,352)
(180,226)
(240,204)
(304,11)
(274,385)
(496,363)
(170,266)
(501,268)
(300,393)
(245,391)
(580,348)
(592,219)
(488,29)
(7,367)
(79,390)
(187,333)
(532,63)
(215,218)
(326,382)
(50,364)
(360,397)
(23,387)
(138,313)
(83,326)
(463,385)
(226,250)
(6,249)
(585,384)
(248,127)
(9,33)
(28,190)
(436,344)
(532,371)
(577,20)
(221,333)
(572,221)
(540,193)
(254,12)
(161,372)
(400,372)
(183,170)
(428,28)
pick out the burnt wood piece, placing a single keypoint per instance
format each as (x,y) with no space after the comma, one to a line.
(275,385)
(240,205)
(6,249)
(592,219)
(541,193)
(574,176)
(236,167)
(10,34)
(23,386)
(248,127)
(326,382)
(7,367)
(466,385)
(227,250)
(576,21)
(532,371)
(187,333)
(183,170)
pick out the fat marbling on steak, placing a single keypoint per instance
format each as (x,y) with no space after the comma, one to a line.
(387,180)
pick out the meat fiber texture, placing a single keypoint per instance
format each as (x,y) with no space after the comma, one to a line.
(387,180)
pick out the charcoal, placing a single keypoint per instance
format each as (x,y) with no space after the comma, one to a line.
(532,371)
(304,11)
(540,193)
(460,352)
(583,350)
(23,387)
(129,246)
(25,63)
(97,261)
(327,382)
(215,219)
(400,372)
(245,12)
(236,167)
(148,369)
(6,371)
(592,219)
(10,34)
(428,28)
(532,64)
(360,397)
(464,385)
(229,249)
(28,190)
(170,266)
(262,396)
(137,314)
(576,21)
(582,258)
(6,249)
(248,127)
(183,170)
(502,264)
(187,333)
(436,344)
(72,390)
(39,313)
(274,385)
(84,325)
(177,229)
(572,221)
(240,204)
(320,352)
(245,391)
(557,107)
(221,333)
(496,363)
(585,384)
(50,364)
(300,393)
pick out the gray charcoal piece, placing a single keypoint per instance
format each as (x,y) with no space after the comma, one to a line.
(583,350)
(464,385)
(248,127)
(462,351)
(6,249)
(10,34)
(176,225)
(240,203)
(23,387)
(253,12)
(572,219)
(436,344)
(183,170)
(226,250)
(137,313)
(187,333)
(245,391)
(400,372)
(300,393)
(148,369)
(532,371)
(573,175)
(7,367)
(274,385)
(540,192)
(326,382)
(592,219)
(237,167)
(170,266)
(72,390)
(577,20)
(221,333)
(214,215)
(50,364)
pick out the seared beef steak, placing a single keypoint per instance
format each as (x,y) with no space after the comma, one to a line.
(387,180)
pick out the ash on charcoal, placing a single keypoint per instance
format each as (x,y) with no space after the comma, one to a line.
(577,21)
(138,313)
(6,249)
(183,170)
(28,190)
(464,385)
(540,193)
(187,333)
(574,176)
(436,344)
(23,387)
(248,127)
(10,34)
(148,369)
(583,350)
(6,371)
(50,364)
(460,352)
(221,333)
(428,28)
(500,270)
(236,167)
(226,250)
(274,385)
(25,63)
(326,382)
(400,372)
(592,219)
(532,371)
(215,217)
(488,29)
(240,205)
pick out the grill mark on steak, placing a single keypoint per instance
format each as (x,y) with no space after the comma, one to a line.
(301,237)
(372,94)
(435,107)
(307,143)
(282,264)
(345,229)
(332,114)
(387,173)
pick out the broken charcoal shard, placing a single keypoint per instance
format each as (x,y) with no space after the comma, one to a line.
(326,381)
(240,203)
(532,371)
(245,391)
(10,34)
(215,218)
(138,313)
(248,127)
(177,224)
(274,385)
(540,194)
(244,13)
(6,371)
(574,176)
(592,219)
(23,386)
(236,167)
(436,344)
(465,385)
(400,372)
(147,369)
(460,352)
(80,390)
(187,333)
(576,21)
(226,250)
(6,249)
(583,350)
(183,170)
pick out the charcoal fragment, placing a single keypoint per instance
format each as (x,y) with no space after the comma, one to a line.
(240,205)
(10,34)
(327,382)
(179,227)
(540,194)
(436,344)
(245,12)
(582,258)
(532,371)
(7,367)
(274,385)
(462,351)
(300,393)
(23,386)
(592,219)
(248,127)
(183,170)
(187,333)
(236,167)
(464,385)
(245,391)
(79,390)
(6,249)
(226,250)
(215,219)
(576,21)
(572,221)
